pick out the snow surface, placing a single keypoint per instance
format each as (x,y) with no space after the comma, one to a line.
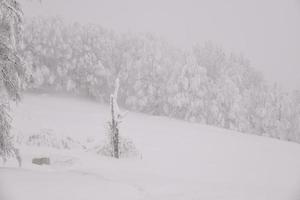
(180,160)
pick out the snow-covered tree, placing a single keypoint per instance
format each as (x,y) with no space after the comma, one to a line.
(116,118)
(11,69)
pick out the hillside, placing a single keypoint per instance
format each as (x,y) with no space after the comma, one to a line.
(180,160)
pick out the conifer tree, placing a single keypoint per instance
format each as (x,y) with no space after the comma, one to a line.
(11,70)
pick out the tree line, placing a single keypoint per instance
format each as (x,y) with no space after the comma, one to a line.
(204,84)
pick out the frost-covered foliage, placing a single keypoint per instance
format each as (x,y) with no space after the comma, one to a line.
(11,69)
(6,145)
(127,149)
(204,84)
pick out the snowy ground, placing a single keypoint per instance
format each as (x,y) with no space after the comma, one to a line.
(180,160)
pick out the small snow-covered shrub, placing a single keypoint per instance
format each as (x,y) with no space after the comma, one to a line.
(46,138)
(127,149)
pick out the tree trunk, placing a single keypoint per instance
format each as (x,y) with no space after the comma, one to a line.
(114,129)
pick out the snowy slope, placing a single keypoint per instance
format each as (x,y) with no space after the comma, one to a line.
(180,160)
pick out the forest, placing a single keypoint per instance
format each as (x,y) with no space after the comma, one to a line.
(204,84)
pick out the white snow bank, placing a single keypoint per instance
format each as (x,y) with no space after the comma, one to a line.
(180,160)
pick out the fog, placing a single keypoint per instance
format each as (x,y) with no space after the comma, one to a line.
(266,32)
(143,100)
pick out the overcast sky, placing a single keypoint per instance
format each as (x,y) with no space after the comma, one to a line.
(265,31)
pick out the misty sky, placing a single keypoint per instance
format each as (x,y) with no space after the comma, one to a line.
(266,31)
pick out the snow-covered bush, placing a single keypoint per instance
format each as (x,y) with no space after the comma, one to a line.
(47,138)
(127,149)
